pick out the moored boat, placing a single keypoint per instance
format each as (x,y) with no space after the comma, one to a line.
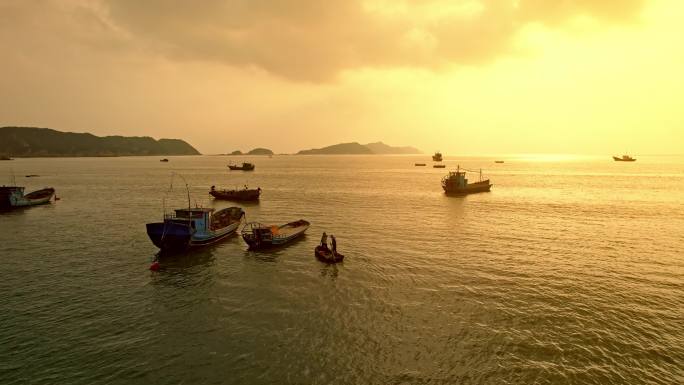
(13,196)
(245,194)
(5,157)
(437,157)
(456,183)
(326,255)
(624,158)
(189,228)
(246,166)
(438,165)
(259,236)
(420,164)
(498,161)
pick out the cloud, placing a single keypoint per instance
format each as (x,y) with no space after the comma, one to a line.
(315,40)
(307,40)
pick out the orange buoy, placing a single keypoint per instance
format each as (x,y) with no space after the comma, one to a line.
(155,266)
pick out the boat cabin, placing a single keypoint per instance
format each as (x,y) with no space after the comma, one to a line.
(198,218)
(456,180)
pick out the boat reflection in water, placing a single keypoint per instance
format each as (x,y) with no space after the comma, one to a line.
(456,183)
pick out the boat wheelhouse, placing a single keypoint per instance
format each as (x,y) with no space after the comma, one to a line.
(456,183)
(624,158)
(194,227)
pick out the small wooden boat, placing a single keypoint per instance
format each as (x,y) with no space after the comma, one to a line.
(624,158)
(259,236)
(3,157)
(245,194)
(437,157)
(189,228)
(245,166)
(456,183)
(32,176)
(13,196)
(498,161)
(163,160)
(326,255)
(419,164)
(438,166)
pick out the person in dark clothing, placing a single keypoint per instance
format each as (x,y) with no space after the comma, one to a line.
(333,241)
(324,241)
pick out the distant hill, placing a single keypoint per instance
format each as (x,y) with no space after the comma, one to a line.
(236,152)
(260,151)
(382,148)
(39,142)
(338,149)
(356,148)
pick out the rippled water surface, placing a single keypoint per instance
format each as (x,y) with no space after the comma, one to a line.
(569,271)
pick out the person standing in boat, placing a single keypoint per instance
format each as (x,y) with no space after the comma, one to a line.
(333,242)
(324,241)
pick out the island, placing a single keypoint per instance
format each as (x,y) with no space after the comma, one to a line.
(46,142)
(355,148)
(260,151)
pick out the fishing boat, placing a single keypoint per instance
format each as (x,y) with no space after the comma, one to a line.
(244,167)
(13,196)
(420,164)
(4,157)
(437,157)
(245,194)
(438,165)
(326,255)
(498,161)
(163,160)
(624,158)
(259,236)
(189,228)
(456,183)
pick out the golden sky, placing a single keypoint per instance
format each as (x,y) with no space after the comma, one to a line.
(464,77)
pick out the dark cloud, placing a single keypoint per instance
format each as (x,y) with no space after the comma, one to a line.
(309,40)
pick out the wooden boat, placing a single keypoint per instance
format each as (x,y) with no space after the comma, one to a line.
(624,158)
(163,160)
(437,157)
(245,194)
(456,183)
(420,164)
(3,157)
(438,166)
(260,236)
(498,161)
(245,166)
(326,255)
(13,196)
(189,228)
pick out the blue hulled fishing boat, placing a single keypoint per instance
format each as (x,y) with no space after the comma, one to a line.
(189,228)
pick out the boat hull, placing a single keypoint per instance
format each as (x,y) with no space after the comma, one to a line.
(236,195)
(618,159)
(469,189)
(12,197)
(327,256)
(175,237)
(257,240)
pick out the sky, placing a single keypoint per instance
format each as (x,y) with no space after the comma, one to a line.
(463,77)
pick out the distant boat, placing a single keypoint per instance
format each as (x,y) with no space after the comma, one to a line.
(624,158)
(439,165)
(32,176)
(420,164)
(163,160)
(3,157)
(190,228)
(259,236)
(437,157)
(498,161)
(13,196)
(456,183)
(245,194)
(326,255)
(245,166)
